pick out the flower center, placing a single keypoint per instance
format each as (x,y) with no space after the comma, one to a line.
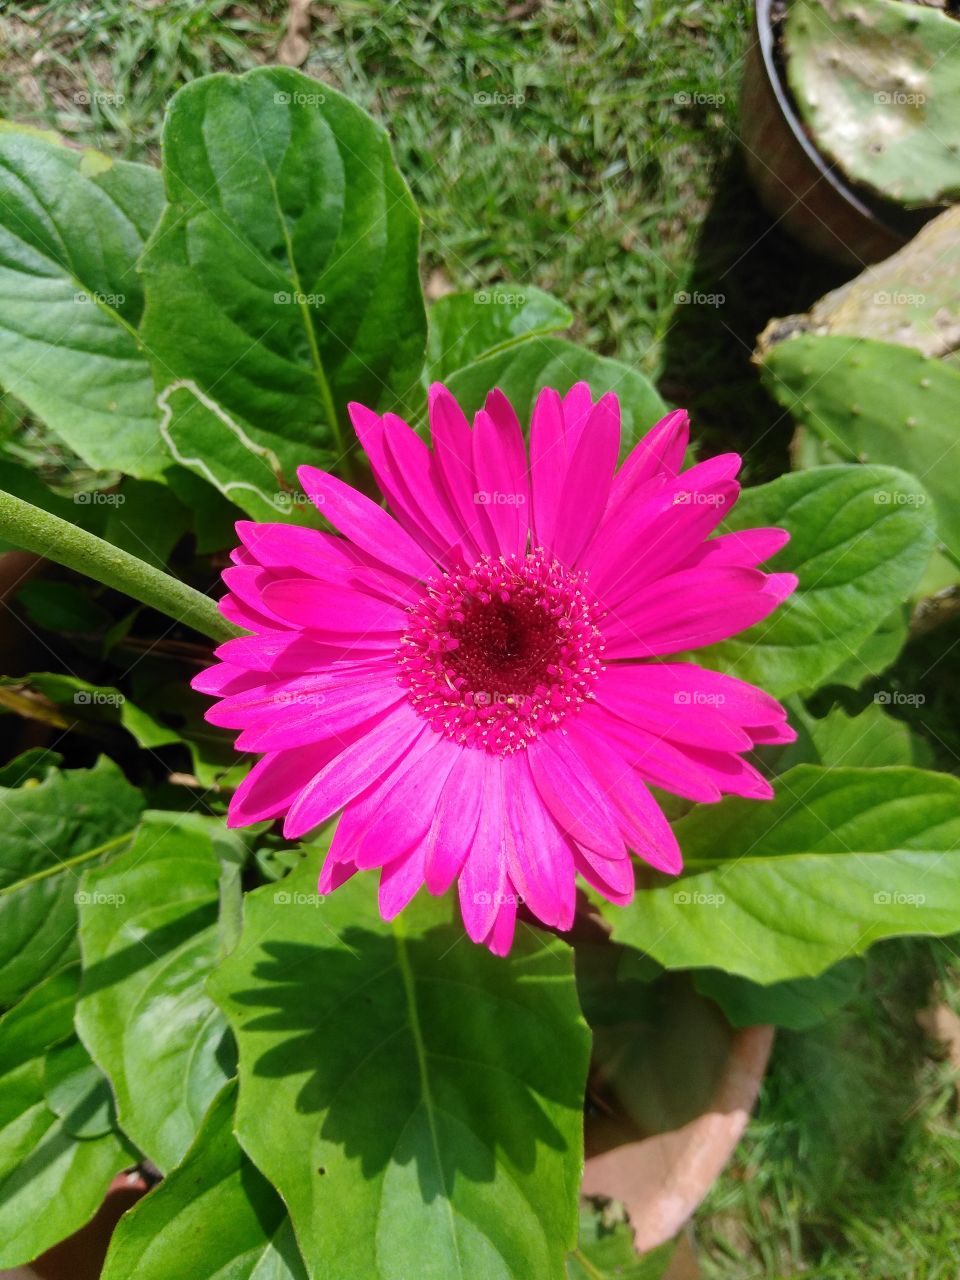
(497,653)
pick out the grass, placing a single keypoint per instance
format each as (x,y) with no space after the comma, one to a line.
(602,165)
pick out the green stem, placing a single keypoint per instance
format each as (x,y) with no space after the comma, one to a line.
(35,530)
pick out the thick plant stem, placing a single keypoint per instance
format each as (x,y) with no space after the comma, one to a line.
(36,530)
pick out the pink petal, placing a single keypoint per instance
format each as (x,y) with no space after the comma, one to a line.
(364,761)
(303,602)
(342,710)
(453,454)
(691,609)
(669,706)
(500,938)
(745,548)
(586,488)
(643,825)
(660,452)
(539,855)
(565,785)
(455,822)
(500,465)
(399,882)
(483,878)
(366,524)
(548,463)
(273,784)
(408,808)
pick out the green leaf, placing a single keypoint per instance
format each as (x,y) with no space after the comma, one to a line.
(868,740)
(606,1251)
(51,831)
(99,704)
(51,1182)
(860,538)
(72,225)
(206,440)
(464,327)
(839,859)
(283,277)
(798,1004)
(34,764)
(876,402)
(149,939)
(523,371)
(878,652)
(77,1091)
(213,1216)
(416,1101)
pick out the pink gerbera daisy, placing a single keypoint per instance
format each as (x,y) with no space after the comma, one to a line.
(478,681)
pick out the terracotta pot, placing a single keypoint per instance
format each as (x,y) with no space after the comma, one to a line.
(665,1129)
(797,185)
(81,1256)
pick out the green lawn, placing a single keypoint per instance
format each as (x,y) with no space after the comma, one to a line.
(591,149)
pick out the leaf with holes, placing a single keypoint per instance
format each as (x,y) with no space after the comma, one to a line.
(397,1077)
(283,277)
(860,538)
(149,938)
(72,225)
(839,859)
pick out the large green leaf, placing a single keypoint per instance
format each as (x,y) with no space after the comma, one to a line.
(523,371)
(416,1101)
(50,831)
(798,1004)
(465,327)
(72,225)
(860,538)
(206,440)
(877,402)
(149,939)
(214,1216)
(839,859)
(283,277)
(51,1181)
(868,740)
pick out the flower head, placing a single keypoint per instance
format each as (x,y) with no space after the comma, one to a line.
(487,682)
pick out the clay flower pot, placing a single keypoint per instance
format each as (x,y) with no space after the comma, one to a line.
(672,1096)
